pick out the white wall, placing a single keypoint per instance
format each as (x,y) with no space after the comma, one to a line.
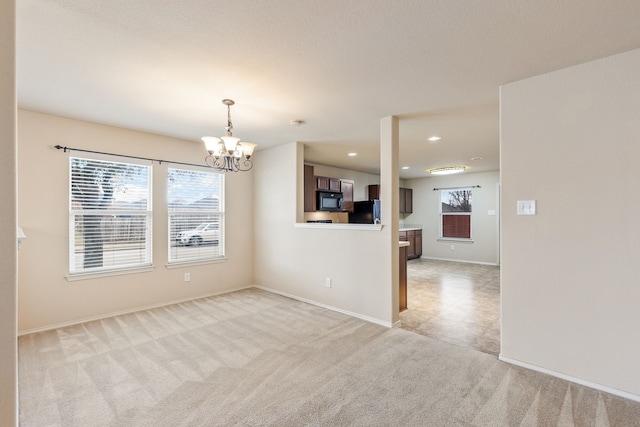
(46,298)
(296,261)
(484,227)
(570,274)
(8,215)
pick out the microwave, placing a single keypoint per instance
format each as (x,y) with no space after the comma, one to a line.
(329,201)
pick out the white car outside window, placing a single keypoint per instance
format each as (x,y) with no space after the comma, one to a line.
(207,233)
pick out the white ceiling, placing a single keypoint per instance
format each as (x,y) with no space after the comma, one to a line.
(163,66)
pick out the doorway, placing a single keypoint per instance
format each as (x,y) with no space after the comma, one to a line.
(455,302)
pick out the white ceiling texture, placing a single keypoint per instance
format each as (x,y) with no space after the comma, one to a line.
(163,66)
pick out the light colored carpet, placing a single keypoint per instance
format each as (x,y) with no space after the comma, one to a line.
(251,358)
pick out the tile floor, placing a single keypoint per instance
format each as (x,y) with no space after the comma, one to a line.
(454,302)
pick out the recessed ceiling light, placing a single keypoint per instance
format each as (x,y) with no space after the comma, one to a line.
(447,170)
(405,167)
(352,154)
(476,158)
(435,138)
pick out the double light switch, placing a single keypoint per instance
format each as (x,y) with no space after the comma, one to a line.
(526,207)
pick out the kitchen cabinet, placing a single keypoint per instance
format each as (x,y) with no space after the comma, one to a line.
(374,192)
(346,187)
(327,184)
(403,278)
(411,238)
(309,189)
(414,237)
(406,200)
(313,183)
(406,197)
(418,237)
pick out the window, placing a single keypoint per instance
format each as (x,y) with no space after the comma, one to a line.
(196,215)
(109,215)
(455,209)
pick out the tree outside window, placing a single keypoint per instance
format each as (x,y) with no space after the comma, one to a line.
(109,215)
(455,210)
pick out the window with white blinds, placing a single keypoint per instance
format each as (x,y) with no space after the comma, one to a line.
(196,215)
(110,215)
(456,210)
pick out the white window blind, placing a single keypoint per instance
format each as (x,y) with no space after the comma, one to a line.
(196,215)
(109,215)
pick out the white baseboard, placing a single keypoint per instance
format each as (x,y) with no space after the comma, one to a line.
(459,260)
(179,301)
(129,311)
(318,304)
(565,377)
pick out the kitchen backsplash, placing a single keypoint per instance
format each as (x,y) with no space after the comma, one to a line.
(335,217)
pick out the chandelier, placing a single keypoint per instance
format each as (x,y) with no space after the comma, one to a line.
(227,153)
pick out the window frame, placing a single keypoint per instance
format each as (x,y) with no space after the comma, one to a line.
(205,253)
(78,209)
(464,212)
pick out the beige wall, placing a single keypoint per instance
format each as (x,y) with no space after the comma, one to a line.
(8,251)
(484,227)
(570,274)
(296,261)
(46,298)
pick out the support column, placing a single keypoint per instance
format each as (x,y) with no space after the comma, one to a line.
(389,201)
(8,218)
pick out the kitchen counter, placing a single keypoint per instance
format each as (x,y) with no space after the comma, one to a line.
(410,227)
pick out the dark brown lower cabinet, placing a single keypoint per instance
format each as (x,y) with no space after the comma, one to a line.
(403,278)
(418,250)
(414,237)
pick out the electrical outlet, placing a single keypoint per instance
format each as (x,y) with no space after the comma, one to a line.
(187,277)
(327,282)
(453,248)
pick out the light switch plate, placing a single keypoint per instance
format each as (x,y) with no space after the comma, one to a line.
(526,207)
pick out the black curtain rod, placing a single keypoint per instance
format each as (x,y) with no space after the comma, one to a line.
(60,147)
(456,188)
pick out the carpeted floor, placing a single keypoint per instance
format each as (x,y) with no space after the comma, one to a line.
(251,358)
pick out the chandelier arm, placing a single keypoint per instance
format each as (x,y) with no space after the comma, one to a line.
(217,164)
(248,164)
(229,164)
